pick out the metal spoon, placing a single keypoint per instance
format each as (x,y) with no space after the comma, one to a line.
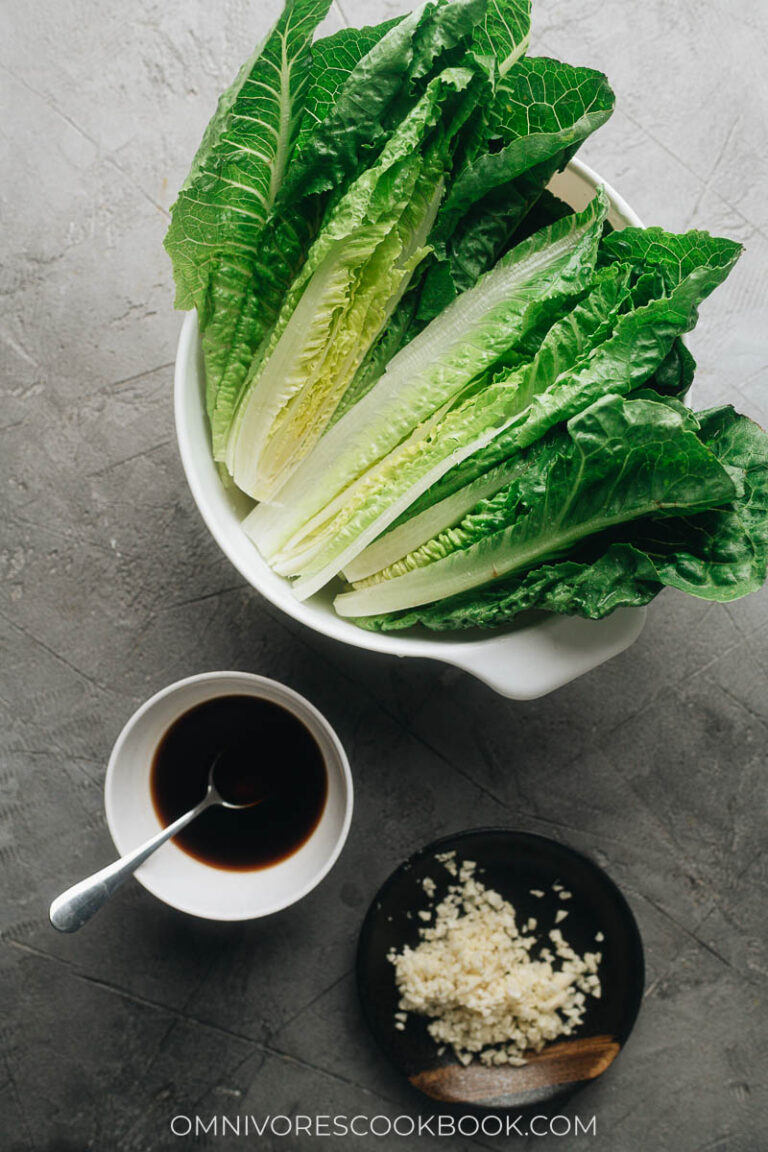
(75,907)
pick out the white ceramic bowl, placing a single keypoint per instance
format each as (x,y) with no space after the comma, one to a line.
(179,879)
(521,663)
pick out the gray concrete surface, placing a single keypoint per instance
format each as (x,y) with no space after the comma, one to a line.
(654,764)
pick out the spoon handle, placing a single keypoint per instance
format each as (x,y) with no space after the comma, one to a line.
(75,907)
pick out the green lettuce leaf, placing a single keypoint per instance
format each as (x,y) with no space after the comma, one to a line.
(221,210)
(531,282)
(719,554)
(505,32)
(334,58)
(618,461)
(641,343)
(541,113)
(546,210)
(354,275)
(503,403)
(674,375)
(250,257)
(378,93)
(622,577)
(241,163)
(677,255)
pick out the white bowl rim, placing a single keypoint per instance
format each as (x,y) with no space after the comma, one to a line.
(578,645)
(122,842)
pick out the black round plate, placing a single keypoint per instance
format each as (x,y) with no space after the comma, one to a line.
(513,863)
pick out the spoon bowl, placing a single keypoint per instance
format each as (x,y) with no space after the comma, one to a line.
(213,791)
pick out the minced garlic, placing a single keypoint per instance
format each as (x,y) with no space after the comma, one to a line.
(473,974)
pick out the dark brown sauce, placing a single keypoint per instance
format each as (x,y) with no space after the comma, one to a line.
(266,754)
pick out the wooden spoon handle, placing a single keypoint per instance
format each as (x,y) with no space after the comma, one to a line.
(569,1062)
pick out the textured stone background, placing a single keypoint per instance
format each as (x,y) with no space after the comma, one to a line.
(111,588)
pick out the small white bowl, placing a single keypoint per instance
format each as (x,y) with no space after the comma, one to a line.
(179,879)
(521,663)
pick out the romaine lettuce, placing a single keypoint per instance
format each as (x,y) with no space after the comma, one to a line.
(531,282)
(636,342)
(719,554)
(613,340)
(355,273)
(438,380)
(285,141)
(618,461)
(540,114)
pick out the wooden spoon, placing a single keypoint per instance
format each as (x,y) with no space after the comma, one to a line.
(506,1085)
